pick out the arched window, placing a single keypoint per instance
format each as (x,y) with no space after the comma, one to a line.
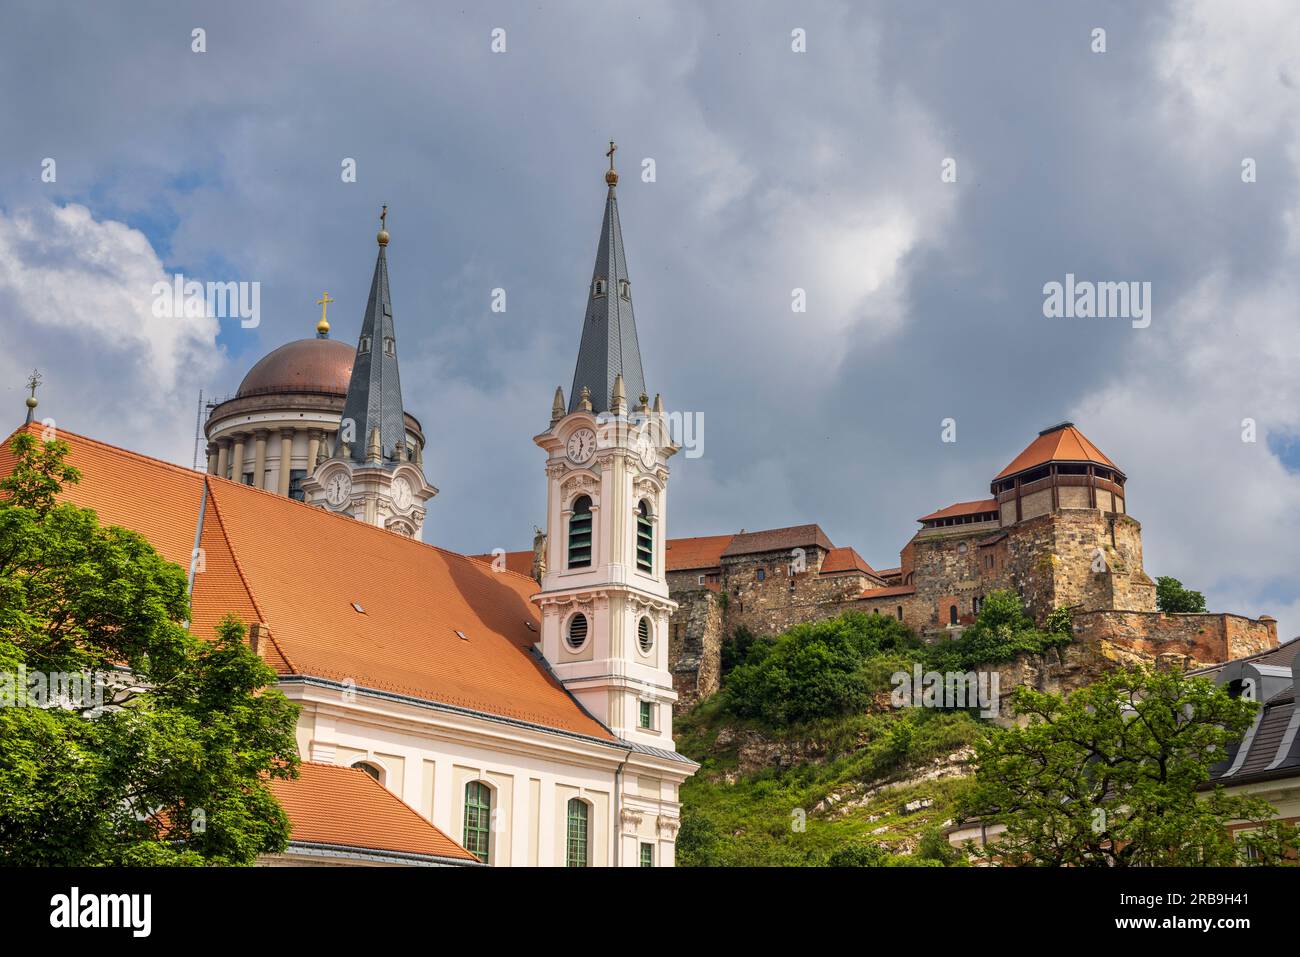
(625,288)
(598,287)
(645,539)
(370,769)
(579,828)
(478,819)
(576,635)
(580,533)
(952,614)
(645,635)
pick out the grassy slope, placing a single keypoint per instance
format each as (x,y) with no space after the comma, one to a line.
(746,817)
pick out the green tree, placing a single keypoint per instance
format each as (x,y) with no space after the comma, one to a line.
(1110,775)
(1173,598)
(173,768)
(815,670)
(1001,631)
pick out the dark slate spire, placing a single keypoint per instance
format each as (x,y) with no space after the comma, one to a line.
(375,392)
(609,344)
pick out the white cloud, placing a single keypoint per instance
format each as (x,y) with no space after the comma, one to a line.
(78,292)
(1220,513)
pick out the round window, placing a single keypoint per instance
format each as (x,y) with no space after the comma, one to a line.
(576,636)
(645,635)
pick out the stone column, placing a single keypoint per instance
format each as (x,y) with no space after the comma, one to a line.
(313,449)
(286,460)
(223,456)
(259,458)
(237,458)
(212,458)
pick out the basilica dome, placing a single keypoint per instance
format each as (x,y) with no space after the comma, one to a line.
(321,366)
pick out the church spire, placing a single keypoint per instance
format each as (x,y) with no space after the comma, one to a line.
(374,401)
(609,344)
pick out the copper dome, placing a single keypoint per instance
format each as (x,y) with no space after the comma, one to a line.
(306,365)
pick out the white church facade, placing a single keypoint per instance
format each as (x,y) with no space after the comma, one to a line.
(527,722)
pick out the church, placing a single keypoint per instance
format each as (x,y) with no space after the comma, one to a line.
(452,711)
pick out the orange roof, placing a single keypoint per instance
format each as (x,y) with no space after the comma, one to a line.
(298,569)
(890,592)
(347,808)
(846,560)
(704,551)
(1061,443)
(962,508)
(521,563)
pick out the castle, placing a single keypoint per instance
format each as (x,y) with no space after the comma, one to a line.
(1055,529)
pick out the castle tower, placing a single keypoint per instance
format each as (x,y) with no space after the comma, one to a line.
(1071,541)
(604,598)
(1059,469)
(376,472)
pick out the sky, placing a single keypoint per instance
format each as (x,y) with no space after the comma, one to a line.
(806,146)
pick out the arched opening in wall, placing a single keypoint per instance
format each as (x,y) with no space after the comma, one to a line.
(478,820)
(952,614)
(371,769)
(578,834)
(645,539)
(575,636)
(580,530)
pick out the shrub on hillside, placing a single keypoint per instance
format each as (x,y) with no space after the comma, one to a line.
(815,670)
(859,855)
(1001,631)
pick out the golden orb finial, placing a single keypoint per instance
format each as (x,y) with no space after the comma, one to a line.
(382,238)
(323,327)
(611,177)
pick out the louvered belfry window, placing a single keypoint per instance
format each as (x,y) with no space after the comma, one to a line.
(580,533)
(645,540)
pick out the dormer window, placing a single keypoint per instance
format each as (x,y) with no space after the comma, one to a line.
(625,289)
(363,346)
(598,287)
(390,346)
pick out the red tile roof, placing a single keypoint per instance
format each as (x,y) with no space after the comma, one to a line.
(704,551)
(840,560)
(962,508)
(778,540)
(891,592)
(521,563)
(298,569)
(347,808)
(1063,443)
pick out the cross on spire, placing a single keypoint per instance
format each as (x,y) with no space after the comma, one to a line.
(611,177)
(33,381)
(323,327)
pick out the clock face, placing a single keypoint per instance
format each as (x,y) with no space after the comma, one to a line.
(645,446)
(582,446)
(401,492)
(337,488)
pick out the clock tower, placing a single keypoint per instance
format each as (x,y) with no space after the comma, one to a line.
(376,472)
(604,598)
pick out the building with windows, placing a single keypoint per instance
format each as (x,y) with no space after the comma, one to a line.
(510,723)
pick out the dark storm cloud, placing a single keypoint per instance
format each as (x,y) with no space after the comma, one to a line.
(775,170)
